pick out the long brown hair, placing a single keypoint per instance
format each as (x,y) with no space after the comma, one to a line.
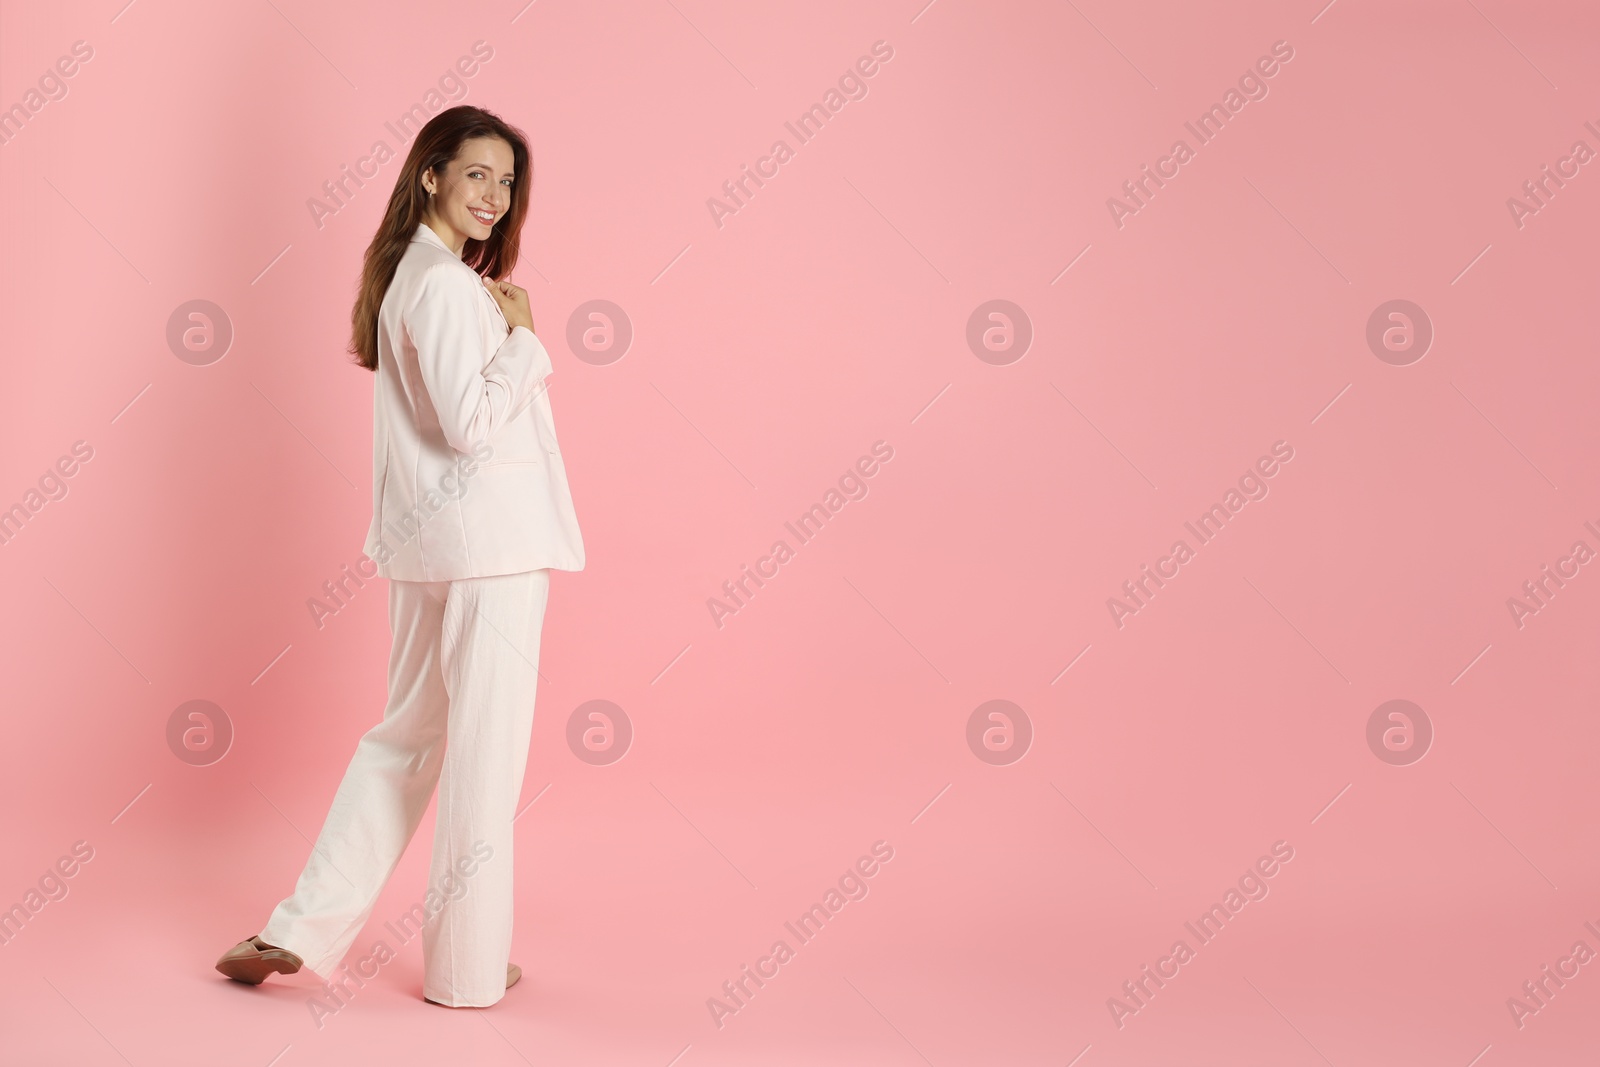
(437,143)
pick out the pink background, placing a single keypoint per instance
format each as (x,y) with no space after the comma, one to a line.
(832,711)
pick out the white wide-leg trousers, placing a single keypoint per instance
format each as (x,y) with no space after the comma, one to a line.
(463,672)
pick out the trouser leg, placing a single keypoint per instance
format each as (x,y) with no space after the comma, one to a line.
(383,794)
(490,656)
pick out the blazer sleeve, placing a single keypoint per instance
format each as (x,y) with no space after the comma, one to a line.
(473,401)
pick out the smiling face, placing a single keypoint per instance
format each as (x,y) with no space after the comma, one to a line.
(472,194)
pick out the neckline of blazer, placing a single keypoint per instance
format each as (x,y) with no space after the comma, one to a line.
(425,234)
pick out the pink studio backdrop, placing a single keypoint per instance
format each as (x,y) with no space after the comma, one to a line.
(1156,342)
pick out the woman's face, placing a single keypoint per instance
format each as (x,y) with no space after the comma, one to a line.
(472,194)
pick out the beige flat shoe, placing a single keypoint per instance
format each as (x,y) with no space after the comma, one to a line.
(253,960)
(513,976)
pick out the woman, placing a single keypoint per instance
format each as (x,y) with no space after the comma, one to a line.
(471,512)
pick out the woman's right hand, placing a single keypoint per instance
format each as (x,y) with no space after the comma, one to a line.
(513,302)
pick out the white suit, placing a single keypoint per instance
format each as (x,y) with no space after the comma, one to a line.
(467,476)
(471,512)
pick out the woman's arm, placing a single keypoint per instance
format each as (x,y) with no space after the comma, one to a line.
(473,405)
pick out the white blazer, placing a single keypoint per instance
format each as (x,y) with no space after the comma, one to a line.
(467,477)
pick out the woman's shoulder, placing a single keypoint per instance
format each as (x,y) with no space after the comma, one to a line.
(427,273)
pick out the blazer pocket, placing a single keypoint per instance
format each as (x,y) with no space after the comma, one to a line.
(495,464)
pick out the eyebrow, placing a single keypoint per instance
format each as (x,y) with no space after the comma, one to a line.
(485,166)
